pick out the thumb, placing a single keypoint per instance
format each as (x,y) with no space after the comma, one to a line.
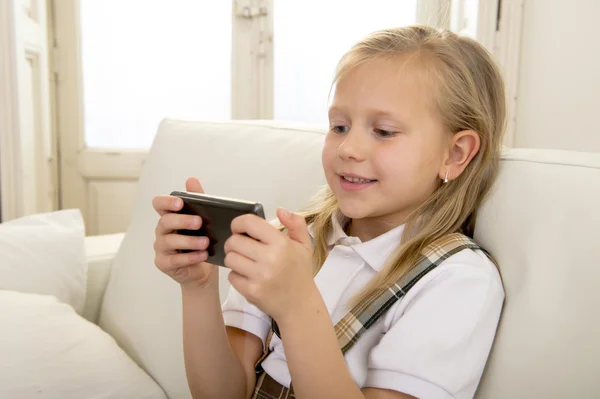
(192,185)
(296,225)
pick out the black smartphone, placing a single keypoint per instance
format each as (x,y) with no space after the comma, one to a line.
(217,213)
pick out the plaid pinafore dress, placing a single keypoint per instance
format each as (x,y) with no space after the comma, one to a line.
(351,327)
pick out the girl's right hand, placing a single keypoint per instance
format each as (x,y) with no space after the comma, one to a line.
(187,268)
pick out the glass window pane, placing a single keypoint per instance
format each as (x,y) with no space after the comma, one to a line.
(310,36)
(464,17)
(144,60)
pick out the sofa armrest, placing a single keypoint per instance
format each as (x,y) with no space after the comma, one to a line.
(100,252)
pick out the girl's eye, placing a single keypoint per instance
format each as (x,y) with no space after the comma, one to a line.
(384,133)
(340,129)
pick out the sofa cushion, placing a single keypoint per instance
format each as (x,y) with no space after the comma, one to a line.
(100,252)
(49,351)
(278,166)
(45,254)
(541,223)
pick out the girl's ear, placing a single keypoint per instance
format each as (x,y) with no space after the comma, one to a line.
(464,146)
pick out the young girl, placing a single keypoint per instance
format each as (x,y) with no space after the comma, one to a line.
(416,121)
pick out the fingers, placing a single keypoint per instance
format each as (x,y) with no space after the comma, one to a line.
(166,203)
(172,243)
(169,244)
(169,263)
(296,226)
(240,283)
(244,245)
(256,227)
(193,185)
(240,264)
(170,222)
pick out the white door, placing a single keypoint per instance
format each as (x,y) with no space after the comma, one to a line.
(27,154)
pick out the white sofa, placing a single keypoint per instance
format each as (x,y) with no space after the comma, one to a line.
(541,223)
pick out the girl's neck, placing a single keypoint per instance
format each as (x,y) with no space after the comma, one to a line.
(368,228)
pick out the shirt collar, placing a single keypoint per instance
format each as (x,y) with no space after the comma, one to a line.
(374,252)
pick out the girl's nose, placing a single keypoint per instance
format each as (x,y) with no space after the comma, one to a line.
(353,146)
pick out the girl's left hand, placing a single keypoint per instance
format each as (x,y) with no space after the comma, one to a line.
(272,270)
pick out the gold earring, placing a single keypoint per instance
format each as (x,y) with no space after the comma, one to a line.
(446,178)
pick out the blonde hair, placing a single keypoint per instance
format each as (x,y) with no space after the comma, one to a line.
(468,95)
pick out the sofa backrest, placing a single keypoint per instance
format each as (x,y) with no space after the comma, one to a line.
(278,166)
(540,223)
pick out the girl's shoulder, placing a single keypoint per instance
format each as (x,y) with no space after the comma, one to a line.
(467,278)
(471,261)
(468,265)
(441,332)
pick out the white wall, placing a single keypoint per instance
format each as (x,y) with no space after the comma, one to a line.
(559,85)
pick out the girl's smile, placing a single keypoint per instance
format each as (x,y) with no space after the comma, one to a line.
(353,182)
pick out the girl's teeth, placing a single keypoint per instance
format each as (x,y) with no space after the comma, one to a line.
(356,180)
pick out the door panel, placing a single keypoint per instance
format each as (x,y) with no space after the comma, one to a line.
(27,151)
(110,212)
(120,72)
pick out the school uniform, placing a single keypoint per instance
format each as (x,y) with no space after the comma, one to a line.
(432,343)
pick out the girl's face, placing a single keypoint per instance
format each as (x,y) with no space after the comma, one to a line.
(383,131)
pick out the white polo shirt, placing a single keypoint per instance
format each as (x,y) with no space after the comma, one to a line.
(433,343)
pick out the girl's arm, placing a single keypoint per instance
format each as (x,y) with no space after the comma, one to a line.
(459,315)
(274,272)
(213,369)
(218,364)
(314,358)
(248,348)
